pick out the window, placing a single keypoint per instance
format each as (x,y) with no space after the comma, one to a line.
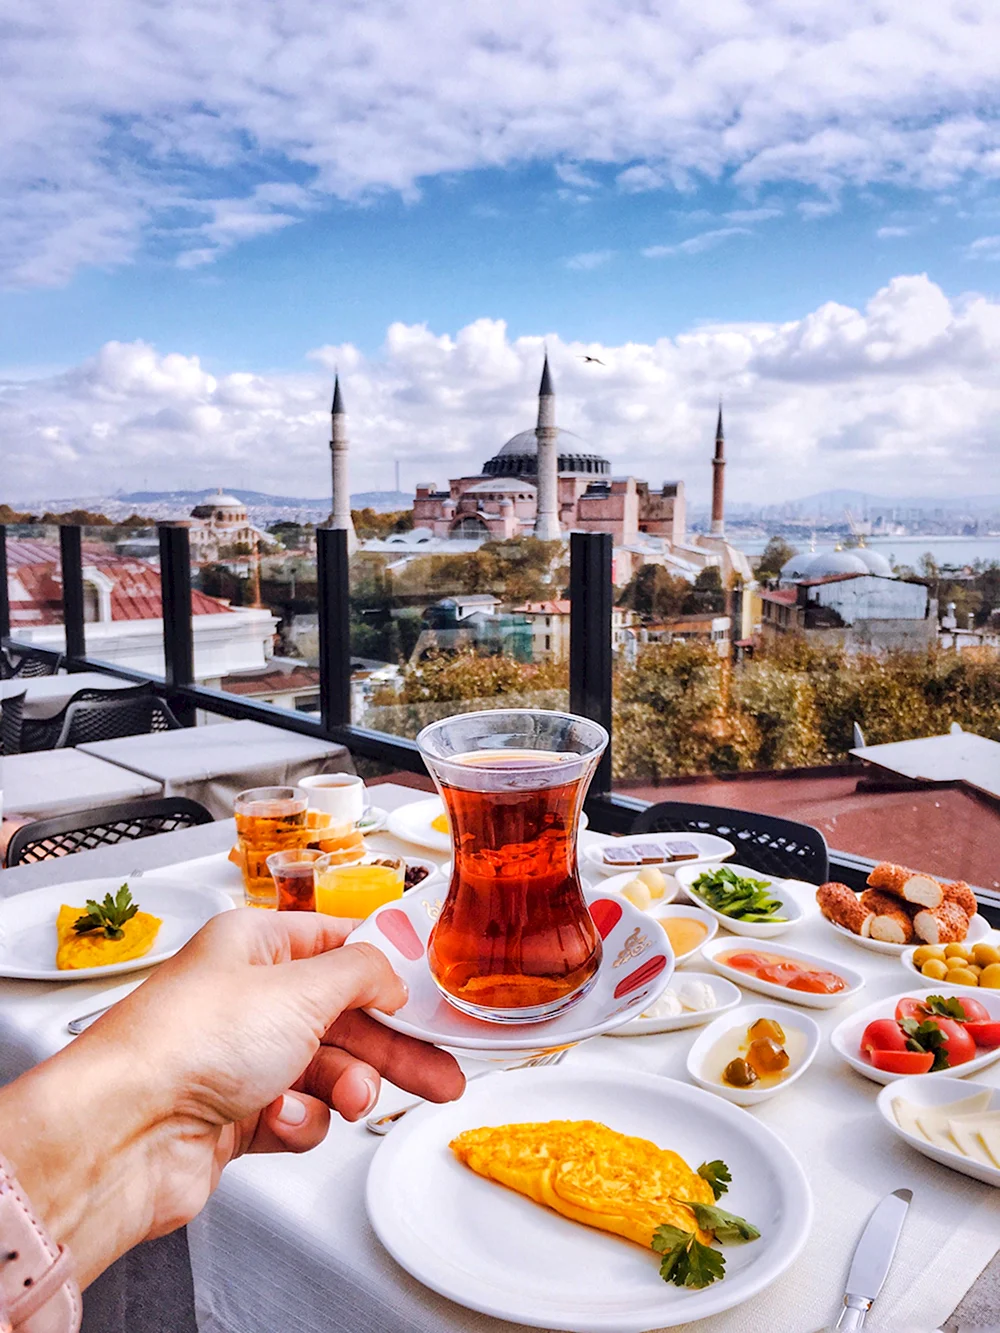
(548,643)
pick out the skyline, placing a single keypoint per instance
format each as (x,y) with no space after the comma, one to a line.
(795,211)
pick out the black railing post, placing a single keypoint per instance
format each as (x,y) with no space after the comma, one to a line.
(4,591)
(333,588)
(175,592)
(71,559)
(591,596)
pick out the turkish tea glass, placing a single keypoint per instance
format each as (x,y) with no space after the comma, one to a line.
(292,872)
(268,819)
(515,941)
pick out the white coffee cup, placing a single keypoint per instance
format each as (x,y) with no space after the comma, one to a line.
(341,795)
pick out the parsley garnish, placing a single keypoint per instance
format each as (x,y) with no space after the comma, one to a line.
(686,1262)
(727,1226)
(108,916)
(927,1036)
(947,1008)
(717,1175)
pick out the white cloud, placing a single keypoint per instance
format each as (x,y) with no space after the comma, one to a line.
(589,259)
(986,247)
(122,122)
(749,215)
(901,395)
(893,233)
(695,245)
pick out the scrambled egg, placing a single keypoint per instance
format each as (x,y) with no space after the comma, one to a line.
(440,824)
(591,1174)
(94,949)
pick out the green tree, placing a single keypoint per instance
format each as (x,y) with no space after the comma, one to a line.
(707,597)
(775,554)
(654,591)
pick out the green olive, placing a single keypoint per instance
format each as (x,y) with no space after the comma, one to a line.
(739,1074)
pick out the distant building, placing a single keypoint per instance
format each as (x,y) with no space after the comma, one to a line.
(220,531)
(703,627)
(549,624)
(839,601)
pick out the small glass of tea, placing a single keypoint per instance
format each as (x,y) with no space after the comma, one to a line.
(268,819)
(355,890)
(292,873)
(515,941)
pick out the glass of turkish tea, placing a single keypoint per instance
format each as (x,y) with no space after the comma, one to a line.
(292,872)
(514,942)
(268,819)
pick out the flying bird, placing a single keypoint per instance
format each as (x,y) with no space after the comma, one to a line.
(596,359)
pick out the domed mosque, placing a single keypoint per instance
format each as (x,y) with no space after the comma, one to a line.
(829,564)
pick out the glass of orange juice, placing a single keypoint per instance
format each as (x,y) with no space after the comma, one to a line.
(356,889)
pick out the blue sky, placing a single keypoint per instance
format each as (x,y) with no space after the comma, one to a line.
(206,206)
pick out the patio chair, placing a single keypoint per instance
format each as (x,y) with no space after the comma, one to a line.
(44,733)
(104,826)
(107,719)
(26,667)
(779,847)
(11,721)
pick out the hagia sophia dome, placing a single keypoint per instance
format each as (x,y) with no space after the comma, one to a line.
(519,457)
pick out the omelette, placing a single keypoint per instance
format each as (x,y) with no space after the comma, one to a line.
(590,1174)
(94,949)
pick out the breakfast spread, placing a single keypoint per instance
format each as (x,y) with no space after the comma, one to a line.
(627,854)
(959,964)
(928,1033)
(684,997)
(740,896)
(617,1183)
(901,906)
(760,1056)
(648,885)
(782,971)
(112,931)
(966,1127)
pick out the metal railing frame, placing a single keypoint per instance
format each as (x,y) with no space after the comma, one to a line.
(590,661)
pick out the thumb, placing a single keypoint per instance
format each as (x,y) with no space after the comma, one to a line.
(357,976)
(294,1122)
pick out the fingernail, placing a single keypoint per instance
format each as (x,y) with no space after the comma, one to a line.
(405,989)
(372,1095)
(292,1112)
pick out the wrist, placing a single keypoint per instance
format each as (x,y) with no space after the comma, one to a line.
(78,1136)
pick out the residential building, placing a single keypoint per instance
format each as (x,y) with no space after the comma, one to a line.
(704,627)
(850,606)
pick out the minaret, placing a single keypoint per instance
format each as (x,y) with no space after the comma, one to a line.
(340,516)
(718,528)
(547,512)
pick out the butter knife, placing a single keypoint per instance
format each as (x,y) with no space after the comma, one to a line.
(873,1258)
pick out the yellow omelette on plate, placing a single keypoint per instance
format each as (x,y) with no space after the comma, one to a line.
(93,948)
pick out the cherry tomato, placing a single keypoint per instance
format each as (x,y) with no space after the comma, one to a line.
(884,1034)
(908,1007)
(984,1034)
(902,1062)
(959,1045)
(974,1011)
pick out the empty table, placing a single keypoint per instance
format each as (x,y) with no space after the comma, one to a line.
(44,696)
(211,764)
(54,782)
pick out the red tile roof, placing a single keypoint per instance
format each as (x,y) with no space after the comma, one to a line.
(271,682)
(559,607)
(786,596)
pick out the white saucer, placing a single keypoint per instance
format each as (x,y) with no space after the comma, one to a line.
(636,967)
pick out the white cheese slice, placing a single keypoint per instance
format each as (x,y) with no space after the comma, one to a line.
(906,1117)
(990,1135)
(931,1122)
(936,1129)
(970,1144)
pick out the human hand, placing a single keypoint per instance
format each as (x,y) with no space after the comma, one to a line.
(242,1042)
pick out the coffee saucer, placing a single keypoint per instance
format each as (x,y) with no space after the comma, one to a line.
(636,966)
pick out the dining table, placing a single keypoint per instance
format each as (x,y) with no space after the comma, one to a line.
(44,696)
(58,782)
(284,1243)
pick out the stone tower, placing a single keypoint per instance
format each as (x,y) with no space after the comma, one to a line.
(547,513)
(340,516)
(718,528)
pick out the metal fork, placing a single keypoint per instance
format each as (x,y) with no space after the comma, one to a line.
(381,1124)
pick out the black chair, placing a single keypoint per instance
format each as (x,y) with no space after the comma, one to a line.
(782,848)
(108,719)
(44,733)
(11,721)
(104,826)
(27,666)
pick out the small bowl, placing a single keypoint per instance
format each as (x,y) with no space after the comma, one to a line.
(743,1017)
(906,958)
(433,875)
(665,914)
(855,981)
(616,883)
(726,993)
(922,1090)
(760,930)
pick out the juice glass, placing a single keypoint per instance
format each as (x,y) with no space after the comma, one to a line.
(292,873)
(268,819)
(515,942)
(355,890)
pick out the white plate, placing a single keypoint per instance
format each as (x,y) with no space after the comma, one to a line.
(727,995)
(690,913)
(924,1091)
(979,928)
(781,889)
(742,1018)
(914,971)
(412,823)
(713,849)
(28,923)
(854,980)
(373,820)
(636,967)
(846,1037)
(495,1251)
(615,884)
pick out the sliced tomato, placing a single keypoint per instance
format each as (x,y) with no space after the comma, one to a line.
(984,1034)
(902,1062)
(974,1011)
(818,983)
(909,1007)
(745,961)
(959,1045)
(779,974)
(884,1034)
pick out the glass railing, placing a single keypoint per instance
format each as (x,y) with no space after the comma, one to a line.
(34,585)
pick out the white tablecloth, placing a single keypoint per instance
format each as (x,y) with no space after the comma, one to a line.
(285,1245)
(212,764)
(44,696)
(54,782)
